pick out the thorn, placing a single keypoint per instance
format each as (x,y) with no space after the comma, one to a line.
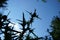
(19,20)
(8,13)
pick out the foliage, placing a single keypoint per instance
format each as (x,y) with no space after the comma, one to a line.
(58,0)
(28,23)
(55,25)
(10,33)
(3,3)
(44,1)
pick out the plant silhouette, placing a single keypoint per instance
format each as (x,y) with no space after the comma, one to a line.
(24,28)
(3,3)
(10,33)
(25,34)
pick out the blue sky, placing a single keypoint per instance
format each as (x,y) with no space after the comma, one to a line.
(46,11)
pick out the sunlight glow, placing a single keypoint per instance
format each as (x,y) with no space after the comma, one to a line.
(16,27)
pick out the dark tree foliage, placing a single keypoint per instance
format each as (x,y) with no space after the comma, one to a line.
(47,0)
(44,0)
(3,3)
(58,0)
(55,25)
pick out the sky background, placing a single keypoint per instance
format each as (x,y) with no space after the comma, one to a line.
(46,11)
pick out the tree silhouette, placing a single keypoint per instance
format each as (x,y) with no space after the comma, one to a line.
(3,3)
(55,25)
(46,1)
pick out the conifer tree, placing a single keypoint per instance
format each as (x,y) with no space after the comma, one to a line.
(55,25)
